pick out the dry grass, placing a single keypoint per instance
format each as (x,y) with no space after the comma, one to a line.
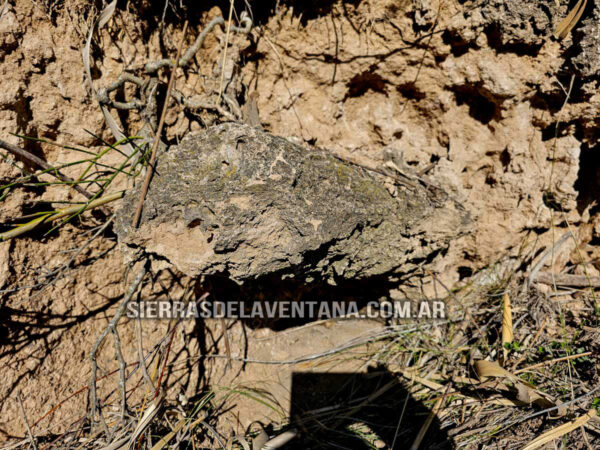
(428,368)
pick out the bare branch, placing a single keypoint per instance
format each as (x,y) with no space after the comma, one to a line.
(95,406)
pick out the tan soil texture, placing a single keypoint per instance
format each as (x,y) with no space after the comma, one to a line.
(474,95)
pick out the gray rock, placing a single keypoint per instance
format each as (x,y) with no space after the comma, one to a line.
(587,36)
(526,22)
(239,202)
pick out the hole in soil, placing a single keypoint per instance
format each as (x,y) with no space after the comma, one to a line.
(588,179)
(551,201)
(480,107)
(410,91)
(194,223)
(494,37)
(464,272)
(505,158)
(490,180)
(550,132)
(364,82)
(554,100)
(458,46)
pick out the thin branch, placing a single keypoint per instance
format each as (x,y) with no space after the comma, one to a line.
(94,404)
(552,361)
(565,279)
(20,401)
(544,257)
(366,338)
(138,329)
(122,373)
(153,66)
(225,51)
(554,408)
(162,372)
(144,190)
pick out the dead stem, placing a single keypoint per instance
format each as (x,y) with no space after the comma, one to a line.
(95,406)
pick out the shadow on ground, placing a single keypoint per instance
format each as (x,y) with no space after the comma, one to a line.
(358,411)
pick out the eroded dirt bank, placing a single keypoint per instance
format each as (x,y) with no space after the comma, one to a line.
(478,97)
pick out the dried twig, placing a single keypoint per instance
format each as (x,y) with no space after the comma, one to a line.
(225,51)
(153,66)
(164,13)
(544,257)
(147,378)
(552,361)
(150,172)
(33,443)
(374,335)
(122,374)
(227,346)
(162,372)
(565,279)
(280,440)
(110,328)
(147,102)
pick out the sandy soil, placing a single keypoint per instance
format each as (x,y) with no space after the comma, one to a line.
(471,94)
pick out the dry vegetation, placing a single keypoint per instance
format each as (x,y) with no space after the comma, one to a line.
(503,113)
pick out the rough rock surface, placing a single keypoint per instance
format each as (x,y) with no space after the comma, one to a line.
(240,202)
(587,62)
